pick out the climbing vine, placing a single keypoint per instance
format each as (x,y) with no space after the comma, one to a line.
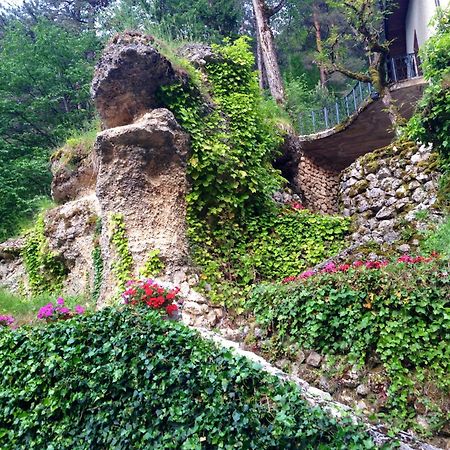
(45,270)
(153,265)
(97,262)
(231,215)
(122,266)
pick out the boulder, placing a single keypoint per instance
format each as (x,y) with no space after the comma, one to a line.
(128,77)
(142,175)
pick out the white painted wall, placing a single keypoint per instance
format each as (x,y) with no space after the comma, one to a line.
(418,18)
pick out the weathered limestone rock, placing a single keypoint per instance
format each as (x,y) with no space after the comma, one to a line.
(12,271)
(70,230)
(142,175)
(127,78)
(74,178)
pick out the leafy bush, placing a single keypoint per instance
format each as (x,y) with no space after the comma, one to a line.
(431,122)
(45,75)
(122,379)
(398,312)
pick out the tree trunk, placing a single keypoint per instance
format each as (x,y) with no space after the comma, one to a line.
(319,46)
(269,57)
(261,69)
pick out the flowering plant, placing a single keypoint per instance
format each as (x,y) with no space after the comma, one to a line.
(331,267)
(148,292)
(6,321)
(51,313)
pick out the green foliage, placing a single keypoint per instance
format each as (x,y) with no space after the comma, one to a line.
(438,240)
(45,270)
(97,262)
(237,234)
(122,265)
(400,314)
(431,122)
(78,145)
(199,20)
(44,94)
(128,379)
(153,265)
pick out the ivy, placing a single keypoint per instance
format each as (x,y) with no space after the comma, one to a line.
(399,315)
(122,265)
(153,265)
(232,220)
(122,379)
(45,270)
(97,262)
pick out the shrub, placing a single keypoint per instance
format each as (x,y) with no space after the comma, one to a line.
(396,312)
(122,379)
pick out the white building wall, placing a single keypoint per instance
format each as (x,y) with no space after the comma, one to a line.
(418,19)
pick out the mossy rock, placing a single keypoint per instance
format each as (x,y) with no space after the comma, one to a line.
(358,188)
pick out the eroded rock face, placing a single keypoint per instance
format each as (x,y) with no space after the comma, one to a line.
(142,175)
(127,78)
(70,232)
(71,182)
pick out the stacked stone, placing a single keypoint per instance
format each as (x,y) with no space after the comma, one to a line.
(379,191)
(319,183)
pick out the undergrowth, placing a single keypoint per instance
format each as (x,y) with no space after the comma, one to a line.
(399,314)
(126,378)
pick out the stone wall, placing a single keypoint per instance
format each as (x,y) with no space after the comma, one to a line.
(319,184)
(386,189)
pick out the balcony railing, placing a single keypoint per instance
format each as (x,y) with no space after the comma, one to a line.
(403,68)
(336,112)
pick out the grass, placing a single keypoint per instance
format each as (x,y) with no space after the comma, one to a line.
(25,309)
(439,240)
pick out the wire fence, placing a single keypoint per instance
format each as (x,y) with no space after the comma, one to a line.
(336,112)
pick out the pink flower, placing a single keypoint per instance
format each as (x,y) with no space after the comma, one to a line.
(297,205)
(344,267)
(6,320)
(46,311)
(358,263)
(60,301)
(79,309)
(307,273)
(329,267)
(63,310)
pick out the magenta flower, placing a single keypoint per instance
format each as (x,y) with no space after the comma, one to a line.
(46,311)
(63,310)
(79,309)
(60,301)
(6,321)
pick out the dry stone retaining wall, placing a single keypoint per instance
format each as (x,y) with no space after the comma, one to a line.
(384,190)
(319,183)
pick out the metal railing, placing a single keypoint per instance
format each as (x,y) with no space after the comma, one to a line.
(404,68)
(336,112)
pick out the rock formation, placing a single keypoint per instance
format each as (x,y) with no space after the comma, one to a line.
(142,175)
(127,78)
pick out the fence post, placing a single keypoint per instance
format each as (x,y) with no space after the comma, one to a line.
(325,116)
(346,106)
(338,120)
(394,72)
(354,99)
